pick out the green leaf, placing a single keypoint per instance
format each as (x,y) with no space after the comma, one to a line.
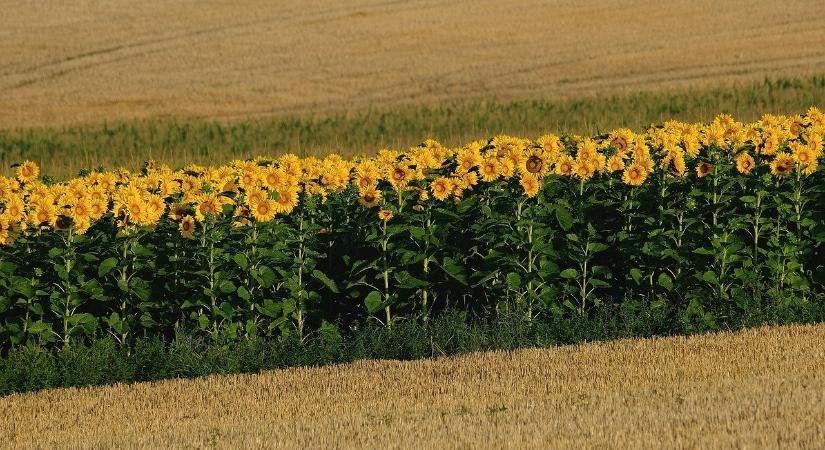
(636,274)
(227,287)
(514,280)
(244,293)
(597,247)
(267,276)
(569,273)
(241,260)
(407,281)
(454,270)
(710,277)
(373,302)
(665,281)
(320,276)
(563,217)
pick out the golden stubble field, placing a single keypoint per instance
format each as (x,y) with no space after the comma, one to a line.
(760,388)
(84,61)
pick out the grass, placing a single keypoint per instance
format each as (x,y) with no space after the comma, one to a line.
(63,151)
(762,387)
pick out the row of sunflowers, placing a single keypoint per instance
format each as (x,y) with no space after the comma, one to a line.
(709,215)
(261,188)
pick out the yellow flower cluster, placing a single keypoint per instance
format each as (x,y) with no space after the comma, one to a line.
(258,190)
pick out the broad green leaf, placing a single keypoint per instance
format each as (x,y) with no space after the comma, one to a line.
(569,273)
(373,302)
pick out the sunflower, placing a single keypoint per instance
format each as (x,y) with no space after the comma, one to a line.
(263,211)
(82,210)
(287,199)
(208,206)
(634,174)
(441,188)
(254,196)
(745,163)
(28,171)
(565,165)
(534,163)
(620,139)
(15,208)
(45,214)
(530,184)
(97,208)
(804,155)
(399,175)
(385,215)
(370,198)
(782,164)
(489,169)
(704,169)
(615,163)
(467,158)
(187,227)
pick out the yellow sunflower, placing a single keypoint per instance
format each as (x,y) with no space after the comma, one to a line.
(263,211)
(782,164)
(370,198)
(530,183)
(385,215)
(634,174)
(745,163)
(704,169)
(187,226)
(441,188)
(28,171)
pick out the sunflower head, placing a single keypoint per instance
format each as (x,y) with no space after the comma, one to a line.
(782,164)
(704,169)
(745,163)
(187,226)
(441,188)
(634,174)
(27,172)
(385,215)
(370,198)
(530,184)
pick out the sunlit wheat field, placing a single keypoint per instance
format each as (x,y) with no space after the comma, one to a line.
(75,62)
(758,388)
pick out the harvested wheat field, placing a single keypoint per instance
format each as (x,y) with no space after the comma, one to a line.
(85,61)
(763,387)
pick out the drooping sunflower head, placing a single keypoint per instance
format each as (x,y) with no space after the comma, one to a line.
(745,163)
(704,169)
(370,197)
(385,215)
(782,164)
(530,184)
(187,226)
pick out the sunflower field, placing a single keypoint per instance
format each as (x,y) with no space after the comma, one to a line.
(716,217)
